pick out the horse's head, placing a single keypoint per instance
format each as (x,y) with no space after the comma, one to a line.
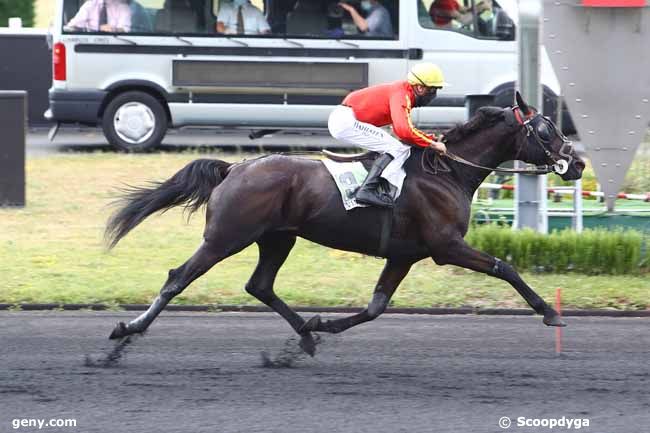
(542,143)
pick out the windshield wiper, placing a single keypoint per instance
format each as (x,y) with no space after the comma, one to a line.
(298,44)
(242,43)
(121,38)
(349,44)
(184,40)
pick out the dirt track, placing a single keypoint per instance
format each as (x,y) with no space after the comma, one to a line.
(203,373)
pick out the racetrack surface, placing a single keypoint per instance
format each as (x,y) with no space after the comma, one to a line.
(202,372)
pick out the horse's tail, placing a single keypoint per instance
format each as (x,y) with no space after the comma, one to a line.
(190,187)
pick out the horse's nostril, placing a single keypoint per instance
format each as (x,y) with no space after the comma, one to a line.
(580,165)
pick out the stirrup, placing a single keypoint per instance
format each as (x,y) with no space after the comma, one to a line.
(374,197)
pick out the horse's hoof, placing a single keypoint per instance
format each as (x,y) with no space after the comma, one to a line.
(308,345)
(311,325)
(553,319)
(119,331)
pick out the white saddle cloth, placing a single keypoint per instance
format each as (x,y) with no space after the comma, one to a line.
(348,176)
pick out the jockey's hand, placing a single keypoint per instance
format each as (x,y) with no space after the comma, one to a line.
(439,147)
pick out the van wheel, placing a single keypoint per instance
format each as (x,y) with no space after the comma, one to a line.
(134,122)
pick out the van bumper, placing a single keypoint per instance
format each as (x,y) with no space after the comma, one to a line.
(75,106)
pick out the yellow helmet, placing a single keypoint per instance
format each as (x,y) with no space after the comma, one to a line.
(426,74)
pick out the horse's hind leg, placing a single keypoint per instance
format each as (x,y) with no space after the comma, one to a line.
(274,250)
(208,254)
(393,274)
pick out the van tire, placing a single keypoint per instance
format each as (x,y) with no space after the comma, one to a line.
(148,117)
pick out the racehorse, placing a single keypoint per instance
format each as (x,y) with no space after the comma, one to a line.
(273,199)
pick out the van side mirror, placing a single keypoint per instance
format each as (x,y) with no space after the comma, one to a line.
(505,27)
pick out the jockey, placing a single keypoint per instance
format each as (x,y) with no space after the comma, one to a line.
(358,119)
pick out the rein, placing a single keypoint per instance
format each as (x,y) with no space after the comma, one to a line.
(439,166)
(539,169)
(559,165)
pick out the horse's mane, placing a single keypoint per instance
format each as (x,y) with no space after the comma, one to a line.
(484,118)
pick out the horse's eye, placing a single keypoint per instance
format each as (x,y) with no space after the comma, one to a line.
(543,131)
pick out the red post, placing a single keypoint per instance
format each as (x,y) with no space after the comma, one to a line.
(614,3)
(558,330)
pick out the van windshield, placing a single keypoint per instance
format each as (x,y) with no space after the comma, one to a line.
(323,19)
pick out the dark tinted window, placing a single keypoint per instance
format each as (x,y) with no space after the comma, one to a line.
(480,18)
(139,16)
(356,19)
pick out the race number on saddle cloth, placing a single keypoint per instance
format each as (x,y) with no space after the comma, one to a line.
(348,177)
(359,118)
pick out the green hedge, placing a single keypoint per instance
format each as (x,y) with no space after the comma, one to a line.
(590,252)
(17,8)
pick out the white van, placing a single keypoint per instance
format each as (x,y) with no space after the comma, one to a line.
(155,64)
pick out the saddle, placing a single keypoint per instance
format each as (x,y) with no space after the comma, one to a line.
(430,161)
(349,157)
(365,158)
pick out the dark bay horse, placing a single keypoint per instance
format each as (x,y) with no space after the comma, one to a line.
(273,199)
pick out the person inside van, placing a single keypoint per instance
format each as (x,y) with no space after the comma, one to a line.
(241,17)
(450,14)
(377,21)
(486,19)
(102,16)
(359,118)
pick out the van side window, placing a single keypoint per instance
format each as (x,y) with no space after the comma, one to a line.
(313,19)
(113,16)
(242,17)
(320,19)
(138,16)
(183,17)
(372,18)
(484,19)
(308,17)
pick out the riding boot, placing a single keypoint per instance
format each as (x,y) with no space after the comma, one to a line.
(371,192)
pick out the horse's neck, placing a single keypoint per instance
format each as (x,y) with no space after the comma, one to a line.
(490,151)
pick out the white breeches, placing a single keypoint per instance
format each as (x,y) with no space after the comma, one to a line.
(344,126)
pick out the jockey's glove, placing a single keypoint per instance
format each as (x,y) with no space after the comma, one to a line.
(439,147)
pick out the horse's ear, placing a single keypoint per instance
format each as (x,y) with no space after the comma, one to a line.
(520,102)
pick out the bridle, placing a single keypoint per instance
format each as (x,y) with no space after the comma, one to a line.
(539,131)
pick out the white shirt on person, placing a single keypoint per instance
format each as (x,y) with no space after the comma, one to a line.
(254,20)
(118,14)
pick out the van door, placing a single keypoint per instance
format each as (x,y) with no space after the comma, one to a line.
(475,50)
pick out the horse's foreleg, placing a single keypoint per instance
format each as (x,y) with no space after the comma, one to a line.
(460,254)
(274,250)
(393,274)
(202,260)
